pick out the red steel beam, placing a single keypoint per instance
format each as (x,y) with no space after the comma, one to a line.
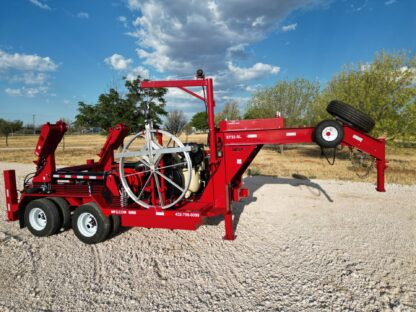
(174,83)
(11,195)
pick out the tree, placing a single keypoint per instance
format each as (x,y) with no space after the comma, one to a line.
(229,112)
(384,89)
(200,121)
(188,130)
(7,127)
(113,108)
(175,122)
(293,99)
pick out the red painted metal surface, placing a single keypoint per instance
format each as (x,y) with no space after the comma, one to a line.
(114,140)
(11,195)
(252,124)
(232,148)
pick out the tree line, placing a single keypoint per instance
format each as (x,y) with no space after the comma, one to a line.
(384,89)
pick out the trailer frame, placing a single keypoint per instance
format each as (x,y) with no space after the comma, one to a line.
(232,148)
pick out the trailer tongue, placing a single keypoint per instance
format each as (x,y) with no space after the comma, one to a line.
(159,182)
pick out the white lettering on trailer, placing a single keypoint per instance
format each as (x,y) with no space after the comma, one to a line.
(239,161)
(7,192)
(8,207)
(80,177)
(160,213)
(251,136)
(290,133)
(358,138)
(187,214)
(130,212)
(67,176)
(93,177)
(232,136)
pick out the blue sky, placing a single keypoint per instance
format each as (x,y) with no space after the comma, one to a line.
(56,53)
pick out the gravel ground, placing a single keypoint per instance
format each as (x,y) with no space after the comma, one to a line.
(301,246)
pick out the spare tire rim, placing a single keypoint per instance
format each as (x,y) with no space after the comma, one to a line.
(37,219)
(329,134)
(87,224)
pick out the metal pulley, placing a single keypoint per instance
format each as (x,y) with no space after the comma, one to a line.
(159,164)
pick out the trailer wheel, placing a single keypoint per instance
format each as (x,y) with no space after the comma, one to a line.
(115,224)
(42,217)
(328,134)
(90,225)
(351,115)
(64,210)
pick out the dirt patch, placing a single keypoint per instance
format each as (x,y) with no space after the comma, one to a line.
(301,245)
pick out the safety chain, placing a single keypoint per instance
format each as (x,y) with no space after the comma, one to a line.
(360,160)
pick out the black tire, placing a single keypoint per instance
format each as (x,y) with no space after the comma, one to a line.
(42,217)
(64,210)
(328,134)
(115,224)
(90,225)
(351,115)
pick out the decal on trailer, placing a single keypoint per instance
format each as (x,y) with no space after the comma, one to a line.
(123,212)
(187,214)
(290,134)
(239,161)
(232,136)
(251,136)
(160,213)
(358,138)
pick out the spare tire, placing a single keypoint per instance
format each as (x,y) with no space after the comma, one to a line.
(328,134)
(351,115)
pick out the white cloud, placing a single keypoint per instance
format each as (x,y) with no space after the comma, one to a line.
(389,2)
(30,78)
(13,92)
(259,21)
(28,92)
(254,88)
(289,27)
(27,69)
(133,5)
(365,67)
(118,62)
(359,8)
(258,70)
(139,70)
(123,20)
(213,35)
(40,4)
(83,15)
(31,62)
(179,40)
(31,92)
(237,51)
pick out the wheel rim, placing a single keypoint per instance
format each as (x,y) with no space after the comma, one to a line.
(37,219)
(329,134)
(87,224)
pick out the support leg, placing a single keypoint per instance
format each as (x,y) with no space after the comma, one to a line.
(381,166)
(229,232)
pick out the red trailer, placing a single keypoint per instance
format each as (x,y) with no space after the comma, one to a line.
(159,182)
